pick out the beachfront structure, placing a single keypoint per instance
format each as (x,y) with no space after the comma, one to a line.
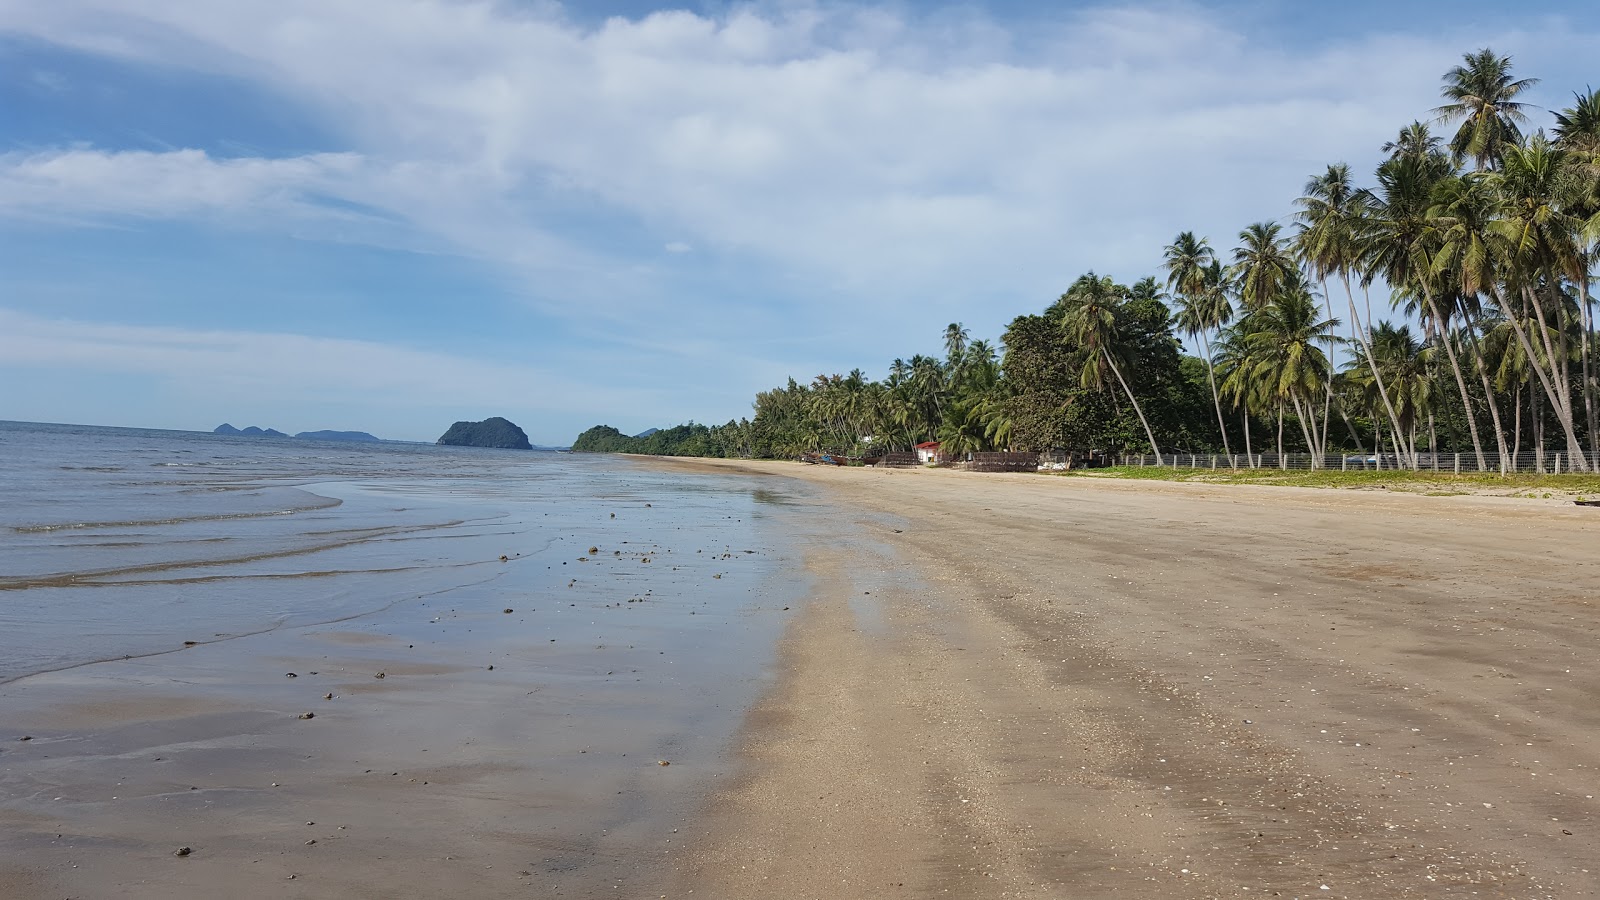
(927,452)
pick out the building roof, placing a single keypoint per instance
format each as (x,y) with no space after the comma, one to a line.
(928,445)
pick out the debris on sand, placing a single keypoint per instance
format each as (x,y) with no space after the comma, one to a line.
(308,715)
(182,851)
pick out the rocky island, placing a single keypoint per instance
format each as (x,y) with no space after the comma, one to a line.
(355,436)
(492,432)
(248,431)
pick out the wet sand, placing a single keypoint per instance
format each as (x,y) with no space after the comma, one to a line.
(503,738)
(1083,688)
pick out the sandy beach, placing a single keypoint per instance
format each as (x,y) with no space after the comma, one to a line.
(1083,688)
(988,686)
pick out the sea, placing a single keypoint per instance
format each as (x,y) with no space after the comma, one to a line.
(550,625)
(123,542)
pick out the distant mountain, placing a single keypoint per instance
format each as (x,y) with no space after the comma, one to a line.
(248,431)
(356,436)
(493,432)
(647,432)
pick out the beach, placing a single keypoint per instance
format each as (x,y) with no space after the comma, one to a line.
(1085,688)
(918,683)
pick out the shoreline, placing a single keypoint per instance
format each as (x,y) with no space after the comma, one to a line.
(1095,688)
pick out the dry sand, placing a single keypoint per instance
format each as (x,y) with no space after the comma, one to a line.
(1079,688)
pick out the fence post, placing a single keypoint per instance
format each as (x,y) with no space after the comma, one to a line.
(1344,463)
(1558,463)
(1213,462)
(1458,464)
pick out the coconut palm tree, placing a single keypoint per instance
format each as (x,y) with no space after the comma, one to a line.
(1195,274)
(1578,132)
(1416,141)
(1285,357)
(1333,215)
(1404,361)
(1090,322)
(1463,213)
(955,344)
(1262,265)
(1541,250)
(1482,95)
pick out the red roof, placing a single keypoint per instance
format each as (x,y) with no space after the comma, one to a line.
(928,445)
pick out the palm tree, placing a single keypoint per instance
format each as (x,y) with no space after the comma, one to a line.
(1090,322)
(1284,356)
(1332,217)
(1262,265)
(1404,362)
(1541,249)
(1578,132)
(1482,95)
(1463,214)
(955,343)
(1194,272)
(1416,141)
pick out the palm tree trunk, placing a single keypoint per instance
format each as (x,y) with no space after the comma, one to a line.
(1244,417)
(1516,404)
(1366,345)
(1280,434)
(1216,399)
(1135,401)
(1488,393)
(1461,382)
(1590,419)
(1563,416)
(1308,424)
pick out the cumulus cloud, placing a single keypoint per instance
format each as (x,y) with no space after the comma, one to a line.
(839,151)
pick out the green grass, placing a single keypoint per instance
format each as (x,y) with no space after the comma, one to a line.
(1432,483)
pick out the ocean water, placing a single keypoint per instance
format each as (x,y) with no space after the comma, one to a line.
(120,543)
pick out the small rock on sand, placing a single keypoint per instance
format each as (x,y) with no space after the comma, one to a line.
(182,851)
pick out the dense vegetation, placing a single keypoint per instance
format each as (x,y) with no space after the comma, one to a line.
(1485,237)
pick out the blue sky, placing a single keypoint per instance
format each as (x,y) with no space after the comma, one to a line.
(387,215)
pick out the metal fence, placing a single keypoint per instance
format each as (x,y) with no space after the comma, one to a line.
(1543,463)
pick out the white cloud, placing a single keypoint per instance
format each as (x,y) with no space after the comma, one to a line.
(870,160)
(677,247)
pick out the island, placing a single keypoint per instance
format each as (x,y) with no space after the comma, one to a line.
(493,432)
(355,436)
(248,431)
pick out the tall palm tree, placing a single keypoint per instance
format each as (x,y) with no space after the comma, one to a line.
(1090,322)
(955,343)
(1195,274)
(1482,95)
(1540,237)
(1285,356)
(1262,264)
(1463,214)
(1332,218)
(1578,132)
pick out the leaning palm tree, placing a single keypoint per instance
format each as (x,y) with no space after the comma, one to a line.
(1333,216)
(1195,273)
(1541,250)
(1090,322)
(1463,217)
(1482,95)
(1404,361)
(1578,132)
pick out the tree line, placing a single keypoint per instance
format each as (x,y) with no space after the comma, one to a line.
(1484,236)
